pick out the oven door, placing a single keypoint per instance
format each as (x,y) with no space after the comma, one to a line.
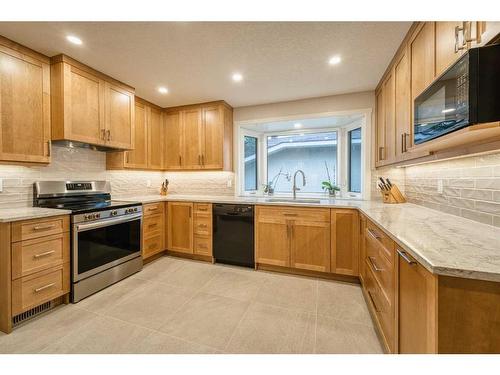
(444,106)
(103,244)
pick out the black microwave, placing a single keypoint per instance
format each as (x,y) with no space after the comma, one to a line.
(467,93)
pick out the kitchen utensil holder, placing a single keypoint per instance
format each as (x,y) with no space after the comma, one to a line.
(393,195)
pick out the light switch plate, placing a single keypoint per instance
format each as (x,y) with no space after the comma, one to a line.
(1,185)
(440,186)
(148,183)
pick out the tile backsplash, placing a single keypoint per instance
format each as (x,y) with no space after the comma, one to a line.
(84,164)
(467,187)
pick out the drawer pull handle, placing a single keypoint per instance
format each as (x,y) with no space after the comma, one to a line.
(373,302)
(289,214)
(202,225)
(202,209)
(405,256)
(202,246)
(43,227)
(41,255)
(152,225)
(38,290)
(153,245)
(374,234)
(374,265)
(152,208)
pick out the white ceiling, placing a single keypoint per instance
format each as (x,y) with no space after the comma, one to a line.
(280,61)
(305,124)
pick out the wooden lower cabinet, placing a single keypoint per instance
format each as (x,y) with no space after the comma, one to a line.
(153,229)
(202,231)
(417,307)
(180,227)
(293,237)
(34,265)
(344,241)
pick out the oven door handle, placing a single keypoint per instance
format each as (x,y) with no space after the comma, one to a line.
(107,222)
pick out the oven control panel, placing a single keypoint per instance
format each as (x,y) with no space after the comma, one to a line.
(107,214)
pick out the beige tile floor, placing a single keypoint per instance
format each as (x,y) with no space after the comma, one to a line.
(183,306)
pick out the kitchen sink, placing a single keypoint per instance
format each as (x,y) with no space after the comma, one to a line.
(291,200)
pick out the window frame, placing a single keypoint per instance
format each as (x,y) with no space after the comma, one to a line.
(342,143)
(349,160)
(257,162)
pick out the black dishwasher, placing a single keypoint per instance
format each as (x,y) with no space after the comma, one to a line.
(233,234)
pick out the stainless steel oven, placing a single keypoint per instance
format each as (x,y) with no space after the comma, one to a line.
(101,242)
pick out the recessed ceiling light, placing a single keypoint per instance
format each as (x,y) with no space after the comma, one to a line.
(237,77)
(297,125)
(162,90)
(334,60)
(73,39)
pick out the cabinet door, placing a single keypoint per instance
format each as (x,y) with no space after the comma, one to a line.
(173,141)
(155,139)
(390,128)
(213,137)
(138,157)
(180,227)
(345,241)
(192,137)
(422,59)
(362,249)
(310,245)
(272,240)
(402,107)
(83,106)
(417,307)
(24,108)
(380,128)
(119,110)
(446,54)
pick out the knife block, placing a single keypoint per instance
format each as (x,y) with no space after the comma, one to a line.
(393,195)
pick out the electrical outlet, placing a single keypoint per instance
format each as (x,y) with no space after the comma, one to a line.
(440,186)
(148,183)
(1,185)
(229,183)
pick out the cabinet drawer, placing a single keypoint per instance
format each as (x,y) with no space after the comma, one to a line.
(153,208)
(39,254)
(292,213)
(203,245)
(383,309)
(387,245)
(33,290)
(29,229)
(202,224)
(152,245)
(382,269)
(152,225)
(203,207)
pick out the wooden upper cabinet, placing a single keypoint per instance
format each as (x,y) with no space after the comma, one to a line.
(138,157)
(379,128)
(180,227)
(199,137)
(213,137)
(192,138)
(448,49)
(402,116)
(119,117)
(345,241)
(173,141)
(422,48)
(417,308)
(90,107)
(389,110)
(24,104)
(155,139)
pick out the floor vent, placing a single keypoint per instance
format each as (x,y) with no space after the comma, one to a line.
(27,315)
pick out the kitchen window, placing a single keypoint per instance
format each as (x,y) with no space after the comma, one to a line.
(327,148)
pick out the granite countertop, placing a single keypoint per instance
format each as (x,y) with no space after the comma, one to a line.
(444,244)
(26,213)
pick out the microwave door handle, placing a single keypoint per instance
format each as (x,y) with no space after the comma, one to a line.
(107,222)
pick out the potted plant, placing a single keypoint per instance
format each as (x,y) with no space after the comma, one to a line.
(328,185)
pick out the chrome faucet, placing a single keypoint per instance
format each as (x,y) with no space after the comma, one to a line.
(295,188)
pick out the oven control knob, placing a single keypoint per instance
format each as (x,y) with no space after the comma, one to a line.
(135,209)
(114,213)
(85,217)
(97,216)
